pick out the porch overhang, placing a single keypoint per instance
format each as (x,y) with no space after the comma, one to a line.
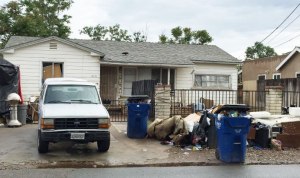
(146,65)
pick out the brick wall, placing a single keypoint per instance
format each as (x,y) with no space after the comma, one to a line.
(162,101)
(274,99)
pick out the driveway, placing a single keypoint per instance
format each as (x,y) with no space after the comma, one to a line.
(19,150)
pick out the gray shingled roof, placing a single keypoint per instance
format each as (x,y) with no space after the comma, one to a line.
(145,53)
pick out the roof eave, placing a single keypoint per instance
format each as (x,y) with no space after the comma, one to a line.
(296,49)
(41,40)
(143,64)
(218,62)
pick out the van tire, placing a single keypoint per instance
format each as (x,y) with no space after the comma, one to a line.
(103,145)
(42,145)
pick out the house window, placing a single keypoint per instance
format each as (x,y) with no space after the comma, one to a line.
(52,70)
(297,74)
(130,75)
(276,76)
(212,81)
(261,77)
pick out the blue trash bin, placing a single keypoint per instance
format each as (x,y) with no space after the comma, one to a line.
(232,135)
(138,114)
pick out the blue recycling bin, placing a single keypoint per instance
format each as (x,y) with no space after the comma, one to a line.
(138,114)
(232,134)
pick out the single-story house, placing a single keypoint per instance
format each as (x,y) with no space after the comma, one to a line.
(115,65)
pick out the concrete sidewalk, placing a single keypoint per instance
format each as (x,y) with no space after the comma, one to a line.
(19,150)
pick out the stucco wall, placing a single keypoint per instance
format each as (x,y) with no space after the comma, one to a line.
(291,67)
(250,85)
(267,66)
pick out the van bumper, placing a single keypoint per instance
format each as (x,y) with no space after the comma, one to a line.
(89,136)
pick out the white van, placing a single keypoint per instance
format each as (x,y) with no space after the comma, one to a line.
(71,110)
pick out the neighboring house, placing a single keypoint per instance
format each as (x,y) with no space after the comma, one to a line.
(290,66)
(261,69)
(115,65)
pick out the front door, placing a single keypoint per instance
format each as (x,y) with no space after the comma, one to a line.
(108,82)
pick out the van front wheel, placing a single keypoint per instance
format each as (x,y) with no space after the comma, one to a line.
(42,145)
(103,145)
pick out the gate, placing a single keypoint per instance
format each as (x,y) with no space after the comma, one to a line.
(117,110)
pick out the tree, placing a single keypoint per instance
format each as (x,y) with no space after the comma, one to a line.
(139,37)
(186,36)
(96,33)
(112,33)
(118,34)
(39,18)
(202,37)
(259,50)
(176,33)
(163,38)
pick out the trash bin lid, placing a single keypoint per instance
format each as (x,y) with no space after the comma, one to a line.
(138,99)
(237,107)
(133,97)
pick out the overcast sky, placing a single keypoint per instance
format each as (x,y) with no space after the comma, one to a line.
(233,24)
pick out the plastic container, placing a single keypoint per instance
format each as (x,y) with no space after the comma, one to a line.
(232,129)
(22,113)
(231,138)
(138,114)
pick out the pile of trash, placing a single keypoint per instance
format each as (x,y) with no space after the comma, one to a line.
(275,131)
(184,132)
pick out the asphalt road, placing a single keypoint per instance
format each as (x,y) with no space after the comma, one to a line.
(240,171)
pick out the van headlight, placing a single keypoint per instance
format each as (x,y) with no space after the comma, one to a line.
(47,123)
(103,123)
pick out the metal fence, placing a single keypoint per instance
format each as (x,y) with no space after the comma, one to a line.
(185,102)
(290,98)
(117,110)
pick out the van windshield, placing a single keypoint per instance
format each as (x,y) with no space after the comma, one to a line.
(85,94)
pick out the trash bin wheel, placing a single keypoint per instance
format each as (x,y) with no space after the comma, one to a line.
(217,154)
(103,145)
(42,145)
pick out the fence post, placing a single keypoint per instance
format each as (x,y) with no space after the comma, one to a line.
(162,101)
(274,99)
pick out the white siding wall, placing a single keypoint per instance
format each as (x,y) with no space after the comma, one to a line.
(185,80)
(185,76)
(76,64)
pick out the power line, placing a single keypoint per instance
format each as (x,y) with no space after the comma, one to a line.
(283,29)
(280,23)
(287,41)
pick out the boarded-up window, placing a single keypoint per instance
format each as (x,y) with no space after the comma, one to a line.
(52,70)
